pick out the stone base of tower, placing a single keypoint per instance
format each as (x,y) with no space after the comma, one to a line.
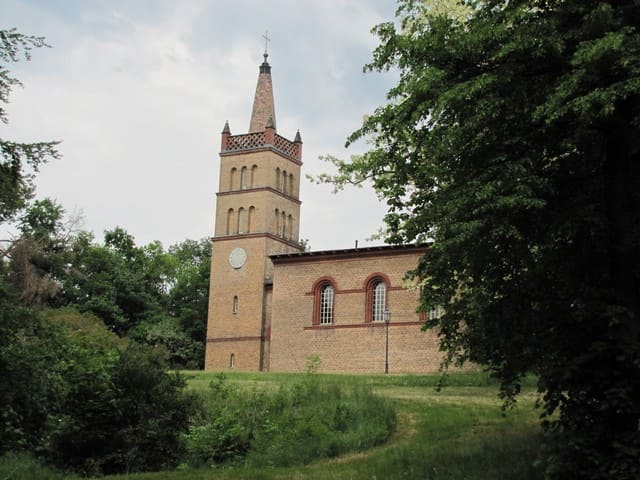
(243,354)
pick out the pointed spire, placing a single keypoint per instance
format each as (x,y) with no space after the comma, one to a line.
(298,138)
(263,105)
(226,128)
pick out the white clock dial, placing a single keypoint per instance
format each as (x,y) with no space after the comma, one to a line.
(237,257)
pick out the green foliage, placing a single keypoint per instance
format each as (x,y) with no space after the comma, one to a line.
(16,182)
(78,396)
(512,140)
(22,466)
(459,432)
(156,297)
(294,425)
(39,257)
(312,363)
(189,295)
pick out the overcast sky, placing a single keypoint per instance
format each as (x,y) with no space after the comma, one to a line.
(138,93)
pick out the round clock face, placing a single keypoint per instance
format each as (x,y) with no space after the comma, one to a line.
(237,257)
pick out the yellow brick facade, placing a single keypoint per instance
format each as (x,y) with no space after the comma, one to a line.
(350,343)
(264,293)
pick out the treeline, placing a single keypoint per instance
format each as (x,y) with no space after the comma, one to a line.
(88,329)
(148,294)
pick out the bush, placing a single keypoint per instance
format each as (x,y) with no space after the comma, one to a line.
(84,400)
(291,426)
(22,466)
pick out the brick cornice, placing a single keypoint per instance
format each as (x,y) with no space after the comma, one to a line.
(349,254)
(260,189)
(361,325)
(234,339)
(225,238)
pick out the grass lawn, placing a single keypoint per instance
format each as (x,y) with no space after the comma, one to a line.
(457,433)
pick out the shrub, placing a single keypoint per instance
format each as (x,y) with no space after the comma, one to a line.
(293,425)
(22,466)
(81,398)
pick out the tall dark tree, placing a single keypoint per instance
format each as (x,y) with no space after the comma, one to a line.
(512,140)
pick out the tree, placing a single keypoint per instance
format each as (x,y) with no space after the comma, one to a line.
(16,185)
(38,257)
(189,296)
(512,140)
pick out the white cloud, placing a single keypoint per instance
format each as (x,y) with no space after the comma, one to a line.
(139,99)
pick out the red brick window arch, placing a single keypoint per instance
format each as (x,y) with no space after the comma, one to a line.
(376,287)
(324,292)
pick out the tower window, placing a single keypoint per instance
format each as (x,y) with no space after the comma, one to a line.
(230,223)
(232,178)
(284,181)
(232,360)
(276,222)
(243,178)
(234,308)
(291,184)
(283,220)
(278,178)
(254,169)
(252,213)
(242,220)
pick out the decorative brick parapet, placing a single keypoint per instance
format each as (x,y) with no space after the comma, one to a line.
(259,140)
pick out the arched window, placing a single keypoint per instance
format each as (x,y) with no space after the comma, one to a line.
(289,227)
(232,360)
(376,287)
(252,213)
(276,222)
(232,178)
(284,181)
(283,221)
(242,220)
(326,305)
(379,302)
(291,192)
(254,171)
(230,223)
(323,301)
(243,178)
(278,178)
(234,308)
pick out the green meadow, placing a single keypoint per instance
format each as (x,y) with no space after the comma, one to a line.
(456,432)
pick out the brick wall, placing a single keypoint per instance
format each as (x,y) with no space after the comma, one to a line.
(350,343)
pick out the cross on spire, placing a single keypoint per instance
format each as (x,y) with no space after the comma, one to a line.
(266,42)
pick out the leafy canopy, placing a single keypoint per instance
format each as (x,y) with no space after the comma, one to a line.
(512,140)
(16,158)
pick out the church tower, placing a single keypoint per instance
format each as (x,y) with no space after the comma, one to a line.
(257,215)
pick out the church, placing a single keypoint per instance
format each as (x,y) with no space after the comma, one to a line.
(273,306)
